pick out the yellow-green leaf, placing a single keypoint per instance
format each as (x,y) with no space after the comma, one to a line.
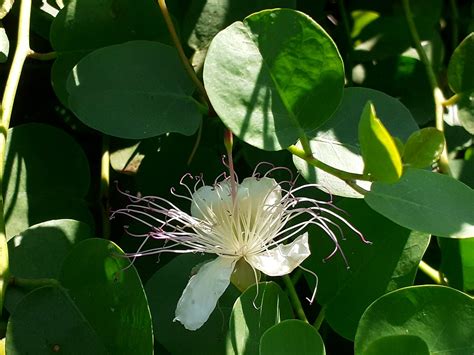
(424,147)
(382,159)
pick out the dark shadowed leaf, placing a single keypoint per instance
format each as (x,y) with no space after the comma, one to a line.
(164,290)
(440,316)
(253,313)
(390,262)
(292,337)
(428,202)
(134,90)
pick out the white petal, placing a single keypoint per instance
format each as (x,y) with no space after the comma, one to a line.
(283,259)
(200,296)
(263,192)
(209,198)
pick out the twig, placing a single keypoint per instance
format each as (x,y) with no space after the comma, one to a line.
(294,299)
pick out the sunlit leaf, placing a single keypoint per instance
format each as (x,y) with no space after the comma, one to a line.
(382,160)
(336,142)
(273,77)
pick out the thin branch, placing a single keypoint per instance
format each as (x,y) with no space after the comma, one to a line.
(430,272)
(437,93)
(310,159)
(187,66)
(42,56)
(294,299)
(21,51)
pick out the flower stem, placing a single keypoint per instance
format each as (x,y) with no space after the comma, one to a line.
(177,43)
(310,159)
(320,318)
(430,272)
(437,93)
(294,299)
(21,52)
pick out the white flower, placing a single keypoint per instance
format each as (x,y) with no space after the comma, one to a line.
(250,220)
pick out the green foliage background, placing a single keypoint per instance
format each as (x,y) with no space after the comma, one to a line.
(372,102)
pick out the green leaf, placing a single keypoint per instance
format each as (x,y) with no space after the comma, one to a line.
(390,262)
(39,251)
(150,96)
(205,18)
(336,142)
(382,160)
(465,110)
(423,148)
(398,345)
(457,262)
(164,290)
(381,34)
(259,308)
(292,337)
(43,182)
(427,202)
(440,316)
(461,66)
(84,25)
(273,77)
(47,321)
(108,292)
(404,78)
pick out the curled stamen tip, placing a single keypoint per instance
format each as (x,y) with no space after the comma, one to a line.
(310,301)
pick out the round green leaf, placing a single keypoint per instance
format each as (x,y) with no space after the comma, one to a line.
(273,77)
(47,177)
(427,202)
(164,290)
(84,25)
(47,321)
(465,110)
(441,316)
(423,148)
(134,90)
(382,160)
(336,142)
(39,251)
(398,345)
(461,66)
(390,262)
(260,307)
(109,294)
(292,337)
